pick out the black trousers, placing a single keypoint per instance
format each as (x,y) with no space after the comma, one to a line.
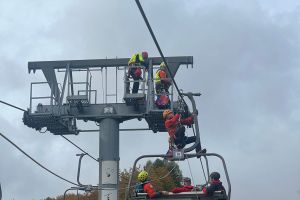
(136,83)
(182,140)
(162,88)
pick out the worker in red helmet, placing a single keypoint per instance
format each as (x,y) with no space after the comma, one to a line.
(214,184)
(175,127)
(135,71)
(186,187)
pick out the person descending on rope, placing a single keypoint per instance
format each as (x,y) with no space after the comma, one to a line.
(175,127)
(145,186)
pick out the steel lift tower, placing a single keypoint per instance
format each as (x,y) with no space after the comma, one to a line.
(67,103)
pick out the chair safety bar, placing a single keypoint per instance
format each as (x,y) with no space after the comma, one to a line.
(186,157)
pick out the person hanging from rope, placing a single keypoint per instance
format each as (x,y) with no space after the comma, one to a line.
(214,184)
(135,71)
(186,187)
(145,186)
(175,127)
(162,84)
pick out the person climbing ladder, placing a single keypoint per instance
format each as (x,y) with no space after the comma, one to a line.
(175,127)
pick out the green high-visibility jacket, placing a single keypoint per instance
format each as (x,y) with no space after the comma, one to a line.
(136,58)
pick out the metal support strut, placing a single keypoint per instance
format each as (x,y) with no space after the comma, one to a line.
(191,97)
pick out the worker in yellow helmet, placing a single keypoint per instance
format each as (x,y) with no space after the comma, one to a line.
(162,82)
(141,59)
(135,71)
(147,187)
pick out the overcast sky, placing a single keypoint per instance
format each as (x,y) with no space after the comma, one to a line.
(246,65)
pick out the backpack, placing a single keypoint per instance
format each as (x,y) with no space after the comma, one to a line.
(135,72)
(139,188)
(138,72)
(163,102)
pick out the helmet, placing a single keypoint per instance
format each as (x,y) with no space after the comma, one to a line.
(166,113)
(215,175)
(186,179)
(162,65)
(145,54)
(143,175)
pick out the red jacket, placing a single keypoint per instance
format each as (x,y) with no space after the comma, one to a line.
(185,188)
(171,124)
(149,189)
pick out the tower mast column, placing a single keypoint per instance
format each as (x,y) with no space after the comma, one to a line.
(109,159)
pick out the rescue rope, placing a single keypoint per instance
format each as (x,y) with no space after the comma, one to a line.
(200,157)
(168,173)
(190,171)
(192,176)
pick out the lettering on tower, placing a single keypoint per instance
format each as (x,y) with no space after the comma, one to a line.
(109,109)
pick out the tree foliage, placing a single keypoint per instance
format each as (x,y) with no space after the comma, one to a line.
(85,196)
(163,174)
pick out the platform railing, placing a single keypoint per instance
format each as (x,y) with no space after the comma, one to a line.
(51,97)
(127,80)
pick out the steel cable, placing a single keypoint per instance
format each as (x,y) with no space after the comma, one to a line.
(39,164)
(46,130)
(79,148)
(157,46)
(12,105)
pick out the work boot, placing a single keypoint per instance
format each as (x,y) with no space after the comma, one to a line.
(169,155)
(200,151)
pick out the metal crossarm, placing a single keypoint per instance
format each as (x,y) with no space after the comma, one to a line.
(93,63)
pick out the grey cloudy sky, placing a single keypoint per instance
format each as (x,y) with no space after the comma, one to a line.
(246,58)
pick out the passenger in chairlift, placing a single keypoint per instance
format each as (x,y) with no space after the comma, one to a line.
(215,184)
(147,187)
(175,127)
(135,71)
(186,187)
